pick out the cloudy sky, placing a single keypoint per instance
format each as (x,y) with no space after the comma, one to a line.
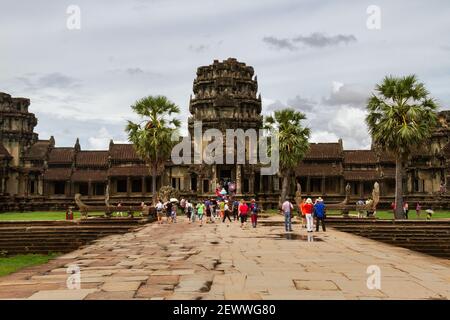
(317,56)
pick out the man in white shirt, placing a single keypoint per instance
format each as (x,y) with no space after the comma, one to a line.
(287,208)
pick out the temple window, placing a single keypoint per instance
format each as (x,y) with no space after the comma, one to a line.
(136,185)
(83,188)
(194,184)
(176,183)
(99,189)
(122,185)
(245,188)
(205,186)
(60,187)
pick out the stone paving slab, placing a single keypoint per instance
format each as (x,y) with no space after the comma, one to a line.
(186,261)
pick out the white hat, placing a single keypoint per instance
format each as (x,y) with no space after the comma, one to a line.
(308,200)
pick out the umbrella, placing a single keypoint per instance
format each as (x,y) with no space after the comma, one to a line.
(173,200)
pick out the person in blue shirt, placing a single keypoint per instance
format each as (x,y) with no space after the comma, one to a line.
(320,213)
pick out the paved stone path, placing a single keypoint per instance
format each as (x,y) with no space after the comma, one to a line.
(184,261)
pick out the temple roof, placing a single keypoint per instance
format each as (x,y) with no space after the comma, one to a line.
(92,158)
(360,157)
(38,150)
(57,174)
(386,157)
(133,171)
(81,175)
(123,152)
(356,175)
(4,154)
(318,170)
(61,155)
(322,151)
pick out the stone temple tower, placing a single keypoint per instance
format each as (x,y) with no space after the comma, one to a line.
(226,97)
(16,135)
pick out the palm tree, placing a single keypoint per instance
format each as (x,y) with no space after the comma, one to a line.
(293,142)
(401,116)
(152,136)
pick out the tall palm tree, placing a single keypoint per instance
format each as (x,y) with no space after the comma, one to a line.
(152,136)
(401,116)
(293,142)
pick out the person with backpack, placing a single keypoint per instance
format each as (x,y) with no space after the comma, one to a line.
(309,211)
(320,213)
(168,211)
(287,208)
(200,211)
(235,209)
(254,213)
(226,212)
(208,204)
(159,211)
(188,210)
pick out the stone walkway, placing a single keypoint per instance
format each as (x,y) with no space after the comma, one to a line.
(184,261)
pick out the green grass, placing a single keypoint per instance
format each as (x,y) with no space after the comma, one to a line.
(385,214)
(40,215)
(14,263)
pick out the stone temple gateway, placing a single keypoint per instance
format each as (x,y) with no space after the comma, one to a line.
(35,174)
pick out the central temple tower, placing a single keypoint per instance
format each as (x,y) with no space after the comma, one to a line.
(226,97)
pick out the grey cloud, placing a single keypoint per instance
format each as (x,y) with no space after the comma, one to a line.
(302,104)
(53,80)
(352,95)
(277,105)
(135,71)
(198,48)
(320,40)
(315,40)
(279,43)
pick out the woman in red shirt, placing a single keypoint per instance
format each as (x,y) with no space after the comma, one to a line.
(242,212)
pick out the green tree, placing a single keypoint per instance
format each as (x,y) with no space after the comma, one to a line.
(293,143)
(401,117)
(151,137)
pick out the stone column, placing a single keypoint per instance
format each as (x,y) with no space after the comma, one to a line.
(143,186)
(251,183)
(361,189)
(90,188)
(214,177)
(276,183)
(40,185)
(238,179)
(323,185)
(128,186)
(199,184)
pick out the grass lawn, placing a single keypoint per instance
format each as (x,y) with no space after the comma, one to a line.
(39,215)
(14,263)
(386,214)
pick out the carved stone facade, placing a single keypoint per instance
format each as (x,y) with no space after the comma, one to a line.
(34,174)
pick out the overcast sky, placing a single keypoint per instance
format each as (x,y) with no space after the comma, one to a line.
(317,56)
